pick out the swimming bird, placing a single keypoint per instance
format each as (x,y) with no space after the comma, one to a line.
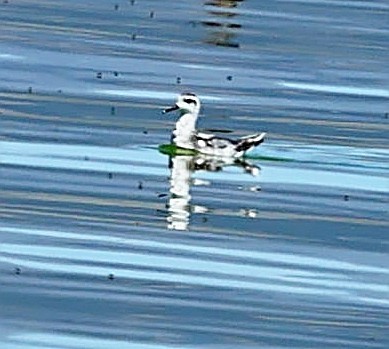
(186,136)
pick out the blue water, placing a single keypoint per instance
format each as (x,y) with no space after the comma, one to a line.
(107,243)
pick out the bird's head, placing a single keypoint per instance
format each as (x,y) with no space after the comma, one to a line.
(186,103)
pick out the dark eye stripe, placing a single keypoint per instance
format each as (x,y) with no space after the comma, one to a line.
(189,101)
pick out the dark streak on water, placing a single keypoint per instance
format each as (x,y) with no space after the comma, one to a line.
(294,258)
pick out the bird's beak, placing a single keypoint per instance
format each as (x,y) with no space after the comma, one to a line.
(168,110)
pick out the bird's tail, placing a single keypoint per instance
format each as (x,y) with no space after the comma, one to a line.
(246,143)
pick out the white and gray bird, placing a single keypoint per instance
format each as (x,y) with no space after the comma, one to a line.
(186,136)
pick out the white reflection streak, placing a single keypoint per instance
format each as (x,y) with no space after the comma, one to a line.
(181,172)
(147,94)
(166,276)
(350,90)
(49,340)
(10,57)
(216,273)
(247,255)
(109,159)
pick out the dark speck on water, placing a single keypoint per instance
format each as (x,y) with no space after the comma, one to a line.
(286,248)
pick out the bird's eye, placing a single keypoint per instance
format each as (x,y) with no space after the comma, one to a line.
(189,101)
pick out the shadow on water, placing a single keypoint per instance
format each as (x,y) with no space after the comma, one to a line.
(222,23)
(181,170)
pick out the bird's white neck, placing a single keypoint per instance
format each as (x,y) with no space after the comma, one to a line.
(184,130)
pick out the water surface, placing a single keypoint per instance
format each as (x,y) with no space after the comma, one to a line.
(108,243)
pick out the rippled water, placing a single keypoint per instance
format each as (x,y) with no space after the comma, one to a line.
(107,243)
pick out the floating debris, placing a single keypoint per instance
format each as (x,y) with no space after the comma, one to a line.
(249,212)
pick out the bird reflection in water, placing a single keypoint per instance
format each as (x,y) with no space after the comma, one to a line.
(181,170)
(222,23)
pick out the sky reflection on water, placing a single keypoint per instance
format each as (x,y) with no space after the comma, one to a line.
(295,257)
(127,160)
